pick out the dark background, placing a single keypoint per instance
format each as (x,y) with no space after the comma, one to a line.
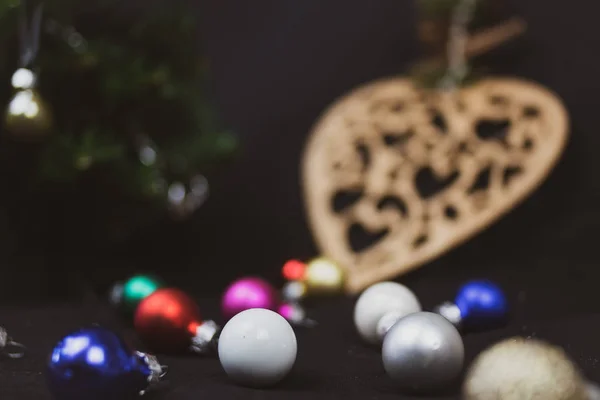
(277,65)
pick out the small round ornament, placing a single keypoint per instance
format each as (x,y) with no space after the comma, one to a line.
(479,304)
(293,270)
(323,276)
(169,321)
(294,291)
(27,116)
(246,293)
(295,314)
(257,347)
(183,200)
(128,294)
(96,364)
(519,368)
(423,351)
(387,301)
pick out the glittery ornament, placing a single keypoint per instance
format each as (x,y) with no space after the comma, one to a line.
(519,368)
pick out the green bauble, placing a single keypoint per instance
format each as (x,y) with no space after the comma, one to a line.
(127,295)
(137,288)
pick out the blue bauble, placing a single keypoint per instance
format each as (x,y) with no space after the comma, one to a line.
(96,364)
(482,304)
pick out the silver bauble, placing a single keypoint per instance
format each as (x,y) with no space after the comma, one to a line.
(423,351)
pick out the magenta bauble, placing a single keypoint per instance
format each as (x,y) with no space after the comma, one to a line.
(246,293)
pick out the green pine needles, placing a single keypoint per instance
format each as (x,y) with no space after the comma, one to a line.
(128,90)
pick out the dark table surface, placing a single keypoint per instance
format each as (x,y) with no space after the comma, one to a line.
(332,363)
(277,65)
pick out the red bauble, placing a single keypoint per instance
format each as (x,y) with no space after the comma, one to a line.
(167,320)
(293,270)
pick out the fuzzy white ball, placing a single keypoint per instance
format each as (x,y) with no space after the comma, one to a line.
(519,368)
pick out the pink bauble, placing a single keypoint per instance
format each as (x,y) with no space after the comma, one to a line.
(246,293)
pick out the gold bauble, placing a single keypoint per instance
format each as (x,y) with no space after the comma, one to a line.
(519,368)
(27,116)
(323,276)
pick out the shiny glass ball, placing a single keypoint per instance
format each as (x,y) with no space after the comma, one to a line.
(379,300)
(294,291)
(482,304)
(257,347)
(166,321)
(246,293)
(293,312)
(423,351)
(127,295)
(95,364)
(28,116)
(137,288)
(23,78)
(293,270)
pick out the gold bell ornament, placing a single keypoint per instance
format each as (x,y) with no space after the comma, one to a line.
(27,116)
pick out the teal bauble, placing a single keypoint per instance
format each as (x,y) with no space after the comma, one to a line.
(128,294)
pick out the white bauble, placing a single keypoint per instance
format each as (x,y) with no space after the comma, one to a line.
(257,347)
(377,301)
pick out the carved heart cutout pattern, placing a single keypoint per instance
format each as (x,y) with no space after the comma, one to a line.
(394,176)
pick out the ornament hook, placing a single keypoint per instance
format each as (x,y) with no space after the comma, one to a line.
(164,371)
(205,338)
(157,370)
(9,347)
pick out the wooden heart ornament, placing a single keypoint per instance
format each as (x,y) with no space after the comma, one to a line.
(416,172)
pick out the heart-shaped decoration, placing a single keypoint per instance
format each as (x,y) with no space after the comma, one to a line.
(417,172)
